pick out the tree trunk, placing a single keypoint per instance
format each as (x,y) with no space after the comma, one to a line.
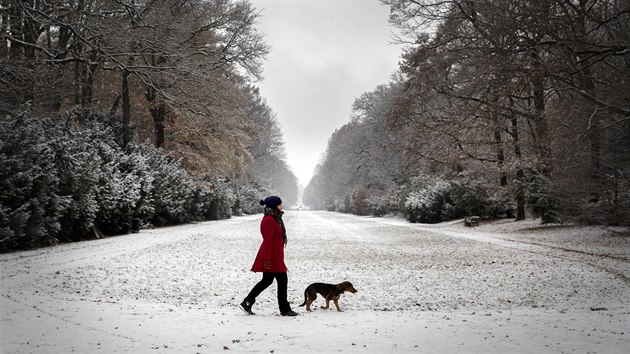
(77,82)
(594,135)
(156,106)
(126,108)
(500,152)
(520,196)
(83,81)
(541,130)
(159,114)
(585,81)
(4,28)
(87,85)
(22,55)
(520,175)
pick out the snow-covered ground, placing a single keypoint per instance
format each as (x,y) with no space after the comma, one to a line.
(498,288)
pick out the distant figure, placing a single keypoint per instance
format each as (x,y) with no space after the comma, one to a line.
(270,257)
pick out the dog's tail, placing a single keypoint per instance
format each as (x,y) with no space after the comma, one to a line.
(305,298)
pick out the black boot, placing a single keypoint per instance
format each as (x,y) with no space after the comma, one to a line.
(246,306)
(289,313)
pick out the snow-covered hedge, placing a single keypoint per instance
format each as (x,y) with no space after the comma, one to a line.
(541,199)
(30,203)
(434,199)
(63,178)
(247,198)
(431,202)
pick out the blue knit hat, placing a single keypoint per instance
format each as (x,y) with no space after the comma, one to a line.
(271,202)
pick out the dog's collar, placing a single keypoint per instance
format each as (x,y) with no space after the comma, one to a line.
(338,288)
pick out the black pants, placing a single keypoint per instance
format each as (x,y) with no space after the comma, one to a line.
(267,279)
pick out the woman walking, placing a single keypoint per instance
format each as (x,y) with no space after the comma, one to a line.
(270,257)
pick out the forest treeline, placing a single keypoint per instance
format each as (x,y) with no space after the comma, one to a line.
(119,110)
(499,108)
(115,110)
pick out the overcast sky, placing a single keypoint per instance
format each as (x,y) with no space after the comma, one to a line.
(324,54)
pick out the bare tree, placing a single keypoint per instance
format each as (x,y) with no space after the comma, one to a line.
(490,66)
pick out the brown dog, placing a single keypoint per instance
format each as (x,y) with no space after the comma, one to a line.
(328,291)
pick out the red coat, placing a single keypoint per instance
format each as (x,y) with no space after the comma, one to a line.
(272,247)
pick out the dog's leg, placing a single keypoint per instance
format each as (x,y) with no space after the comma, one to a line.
(327,304)
(312,296)
(336,300)
(305,297)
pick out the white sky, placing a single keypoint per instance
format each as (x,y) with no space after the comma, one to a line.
(324,54)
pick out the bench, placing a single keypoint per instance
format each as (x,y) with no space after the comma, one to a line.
(471,221)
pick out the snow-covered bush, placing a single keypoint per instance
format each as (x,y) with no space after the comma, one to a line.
(342,204)
(500,202)
(218,202)
(120,186)
(78,166)
(247,198)
(383,203)
(471,197)
(378,204)
(432,199)
(431,202)
(541,199)
(360,198)
(30,206)
(476,198)
(63,176)
(169,191)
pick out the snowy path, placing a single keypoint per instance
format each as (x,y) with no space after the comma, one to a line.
(614,259)
(422,288)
